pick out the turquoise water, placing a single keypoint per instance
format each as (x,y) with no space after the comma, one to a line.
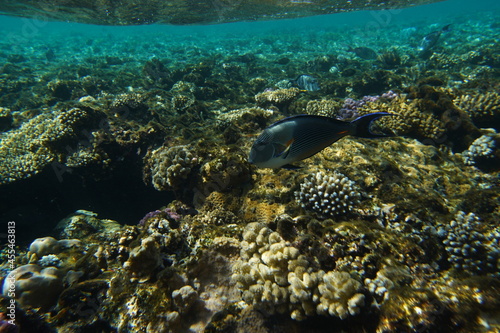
(92,118)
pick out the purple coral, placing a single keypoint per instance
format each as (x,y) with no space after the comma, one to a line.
(389,95)
(168,213)
(351,106)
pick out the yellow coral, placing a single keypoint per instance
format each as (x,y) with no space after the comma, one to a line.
(25,151)
(277,97)
(324,107)
(480,107)
(274,275)
(411,120)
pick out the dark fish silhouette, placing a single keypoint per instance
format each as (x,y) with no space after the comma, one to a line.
(430,40)
(298,137)
(363,52)
(306,82)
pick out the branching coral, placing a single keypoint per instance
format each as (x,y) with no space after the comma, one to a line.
(44,139)
(273,275)
(278,97)
(168,167)
(484,109)
(328,194)
(410,120)
(324,107)
(482,149)
(468,249)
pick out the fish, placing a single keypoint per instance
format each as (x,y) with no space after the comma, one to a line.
(306,82)
(363,52)
(430,40)
(298,137)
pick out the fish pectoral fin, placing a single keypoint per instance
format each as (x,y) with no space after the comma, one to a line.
(290,167)
(283,153)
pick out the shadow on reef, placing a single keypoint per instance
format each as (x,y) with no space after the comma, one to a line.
(42,200)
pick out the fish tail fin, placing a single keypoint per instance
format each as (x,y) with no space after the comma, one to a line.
(446,28)
(362,125)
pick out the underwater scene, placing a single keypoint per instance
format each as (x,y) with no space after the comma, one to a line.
(331,173)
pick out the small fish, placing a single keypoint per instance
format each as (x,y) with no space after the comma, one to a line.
(306,82)
(363,52)
(298,137)
(430,40)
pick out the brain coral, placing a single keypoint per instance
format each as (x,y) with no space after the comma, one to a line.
(168,167)
(327,194)
(274,276)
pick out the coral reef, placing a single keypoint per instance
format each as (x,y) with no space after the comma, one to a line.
(410,120)
(402,237)
(168,167)
(280,97)
(34,286)
(328,193)
(484,150)
(484,109)
(274,276)
(43,140)
(468,249)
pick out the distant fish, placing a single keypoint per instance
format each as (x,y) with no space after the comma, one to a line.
(306,82)
(430,40)
(298,137)
(363,52)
